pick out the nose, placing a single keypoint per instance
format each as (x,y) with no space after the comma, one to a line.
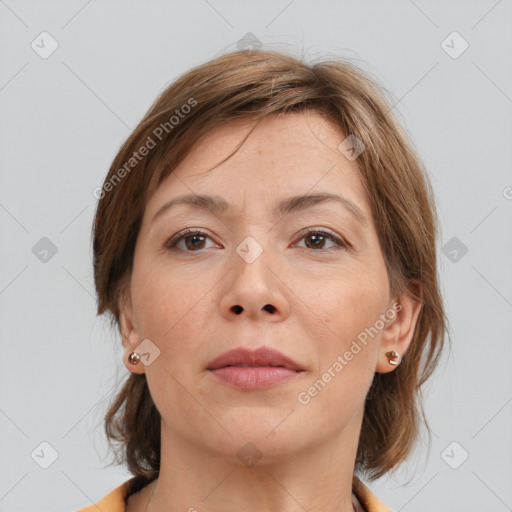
(255,290)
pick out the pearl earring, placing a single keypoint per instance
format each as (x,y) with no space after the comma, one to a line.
(394,358)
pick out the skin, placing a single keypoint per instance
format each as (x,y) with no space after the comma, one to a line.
(323,296)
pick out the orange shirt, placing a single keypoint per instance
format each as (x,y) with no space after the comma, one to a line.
(115,501)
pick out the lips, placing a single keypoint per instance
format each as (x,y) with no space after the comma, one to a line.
(262,357)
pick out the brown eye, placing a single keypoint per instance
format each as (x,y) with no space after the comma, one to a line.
(194,241)
(317,240)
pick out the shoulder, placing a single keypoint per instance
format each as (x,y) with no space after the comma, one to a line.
(115,501)
(368,500)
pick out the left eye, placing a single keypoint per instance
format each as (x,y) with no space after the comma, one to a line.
(319,237)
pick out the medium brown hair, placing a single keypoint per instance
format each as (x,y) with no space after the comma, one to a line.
(252,85)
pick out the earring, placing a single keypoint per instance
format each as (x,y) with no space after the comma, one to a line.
(394,358)
(134,358)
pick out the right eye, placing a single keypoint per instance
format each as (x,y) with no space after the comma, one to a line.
(194,240)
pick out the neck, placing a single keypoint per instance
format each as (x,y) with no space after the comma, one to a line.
(316,478)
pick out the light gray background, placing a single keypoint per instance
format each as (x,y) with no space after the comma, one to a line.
(62,121)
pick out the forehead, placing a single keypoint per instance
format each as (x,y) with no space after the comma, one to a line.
(285,155)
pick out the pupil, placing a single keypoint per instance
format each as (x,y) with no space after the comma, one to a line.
(318,238)
(197,238)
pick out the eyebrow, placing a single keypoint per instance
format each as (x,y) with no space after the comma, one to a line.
(217,204)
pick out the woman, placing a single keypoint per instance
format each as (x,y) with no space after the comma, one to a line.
(265,242)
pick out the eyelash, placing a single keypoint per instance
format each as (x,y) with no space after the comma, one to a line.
(340,242)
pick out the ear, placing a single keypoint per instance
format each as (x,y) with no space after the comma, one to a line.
(129,333)
(399,332)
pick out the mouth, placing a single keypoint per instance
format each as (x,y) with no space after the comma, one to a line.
(262,368)
(245,358)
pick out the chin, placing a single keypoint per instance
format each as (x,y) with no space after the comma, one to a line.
(268,440)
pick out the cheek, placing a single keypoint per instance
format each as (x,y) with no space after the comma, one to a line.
(344,332)
(171,313)
(349,305)
(347,353)
(159,299)
(171,310)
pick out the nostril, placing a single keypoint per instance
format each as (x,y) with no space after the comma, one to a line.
(237,309)
(270,308)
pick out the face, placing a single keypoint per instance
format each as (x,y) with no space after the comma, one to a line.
(308,281)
